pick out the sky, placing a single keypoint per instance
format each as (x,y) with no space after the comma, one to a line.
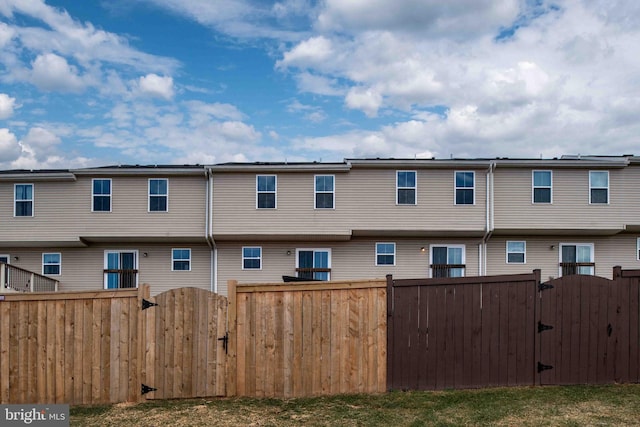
(106,82)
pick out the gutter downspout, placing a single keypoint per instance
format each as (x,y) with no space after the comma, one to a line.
(213,267)
(489,225)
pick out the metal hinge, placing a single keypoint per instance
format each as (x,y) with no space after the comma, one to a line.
(542,367)
(544,286)
(146,304)
(144,389)
(542,327)
(225,342)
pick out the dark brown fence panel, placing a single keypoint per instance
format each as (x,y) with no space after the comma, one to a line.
(462,332)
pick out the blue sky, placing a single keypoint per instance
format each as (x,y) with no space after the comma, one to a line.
(86,83)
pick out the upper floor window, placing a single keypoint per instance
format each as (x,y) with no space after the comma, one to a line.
(542,186)
(516,252)
(465,186)
(101,195)
(406,187)
(51,264)
(23,200)
(385,254)
(576,259)
(266,187)
(313,264)
(158,195)
(181,259)
(637,250)
(324,191)
(447,260)
(599,187)
(252,258)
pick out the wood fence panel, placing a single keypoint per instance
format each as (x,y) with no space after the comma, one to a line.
(307,339)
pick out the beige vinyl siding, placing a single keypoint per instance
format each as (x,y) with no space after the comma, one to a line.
(62,211)
(82,268)
(570,209)
(544,254)
(365,199)
(349,260)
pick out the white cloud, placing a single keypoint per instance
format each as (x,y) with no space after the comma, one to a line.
(9,146)
(156,86)
(367,100)
(51,72)
(7,105)
(309,53)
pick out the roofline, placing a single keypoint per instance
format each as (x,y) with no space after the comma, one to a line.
(35,175)
(280,167)
(583,162)
(195,170)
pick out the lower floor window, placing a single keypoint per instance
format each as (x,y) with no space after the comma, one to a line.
(447,260)
(576,259)
(251,258)
(120,269)
(51,264)
(313,264)
(181,259)
(385,253)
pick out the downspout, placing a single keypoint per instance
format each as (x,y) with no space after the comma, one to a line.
(213,274)
(489,225)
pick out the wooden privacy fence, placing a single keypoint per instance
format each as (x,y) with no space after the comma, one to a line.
(71,347)
(305,339)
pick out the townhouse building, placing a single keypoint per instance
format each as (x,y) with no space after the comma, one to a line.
(366,218)
(108,227)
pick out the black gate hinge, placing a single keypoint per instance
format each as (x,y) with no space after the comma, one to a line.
(225,342)
(544,286)
(542,327)
(146,304)
(542,367)
(144,389)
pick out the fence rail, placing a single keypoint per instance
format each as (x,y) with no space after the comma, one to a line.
(20,280)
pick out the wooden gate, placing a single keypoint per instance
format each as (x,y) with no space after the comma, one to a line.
(185,353)
(513,330)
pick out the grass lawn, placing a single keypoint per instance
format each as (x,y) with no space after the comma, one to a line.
(611,405)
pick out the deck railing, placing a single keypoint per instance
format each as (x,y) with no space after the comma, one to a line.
(21,280)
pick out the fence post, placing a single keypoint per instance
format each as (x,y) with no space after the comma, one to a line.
(31,282)
(389,332)
(3,276)
(232,366)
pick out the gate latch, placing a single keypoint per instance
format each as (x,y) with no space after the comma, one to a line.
(144,389)
(542,367)
(542,327)
(225,342)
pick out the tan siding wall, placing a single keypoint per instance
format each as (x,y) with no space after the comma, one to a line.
(608,252)
(570,208)
(82,269)
(365,200)
(62,211)
(349,260)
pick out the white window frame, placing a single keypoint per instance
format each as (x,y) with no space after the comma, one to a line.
(456,188)
(592,249)
(32,201)
(637,249)
(600,188)
(534,187)
(274,192)
(414,188)
(314,250)
(436,245)
(149,195)
(315,192)
(259,258)
(7,256)
(93,180)
(385,254)
(59,263)
(136,265)
(173,259)
(524,252)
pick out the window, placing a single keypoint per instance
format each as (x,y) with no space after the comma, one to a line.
(23,200)
(252,258)
(406,187)
(465,185)
(324,191)
(637,250)
(447,260)
(120,269)
(385,254)
(516,252)
(51,264)
(542,185)
(158,195)
(576,259)
(313,264)
(181,259)
(599,187)
(101,194)
(266,191)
